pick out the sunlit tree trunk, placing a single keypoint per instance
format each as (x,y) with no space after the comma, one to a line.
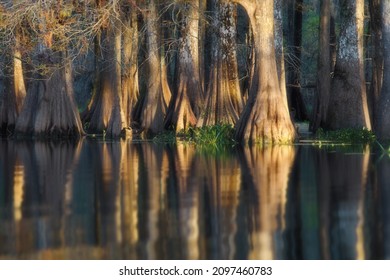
(180,115)
(15,92)
(265,117)
(130,87)
(106,113)
(224,100)
(348,101)
(324,69)
(383,130)
(154,104)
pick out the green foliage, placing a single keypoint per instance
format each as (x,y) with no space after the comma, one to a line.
(212,138)
(347,136)
(220,135)
(168,137)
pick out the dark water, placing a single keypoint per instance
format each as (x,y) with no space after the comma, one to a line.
(121,200)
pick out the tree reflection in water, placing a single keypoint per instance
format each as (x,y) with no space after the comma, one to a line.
(265,179)
(123,200)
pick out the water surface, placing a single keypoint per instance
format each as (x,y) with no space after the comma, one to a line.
(124,200)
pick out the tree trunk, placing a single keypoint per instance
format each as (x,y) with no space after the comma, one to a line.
(224,100)
(154,105)
(265,117)
(377,60)
(180,115)
(324,69)
(279,50)
(383,130)
(106,113)
(348,100)
(295,99)
(15,93)
(130,87)
(50,110)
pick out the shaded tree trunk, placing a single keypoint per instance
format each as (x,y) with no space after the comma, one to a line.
(180,115)
(297,105)
(279,50)
(348,101)
(377,60)
(49,110)
(383,130)
(224,100)
(324,69)
(265,117)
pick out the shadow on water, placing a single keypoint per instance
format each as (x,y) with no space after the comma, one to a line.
(122,200)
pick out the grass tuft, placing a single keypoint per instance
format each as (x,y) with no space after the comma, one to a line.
(346,136)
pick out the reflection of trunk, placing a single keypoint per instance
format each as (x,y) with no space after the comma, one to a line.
(221,179)
(50,109)
(266,173)
(180,114)
(348,177)
(154,181)
(384,208)
(265,117)
(324,69)
(384,106)
(129,198)
(14,94)
(154,104)
(224,100)
(348,84)
(46,170)
(181,165)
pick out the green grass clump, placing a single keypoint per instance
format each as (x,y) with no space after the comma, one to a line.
(168,137)
(216,137)
(347,136)
(220,135)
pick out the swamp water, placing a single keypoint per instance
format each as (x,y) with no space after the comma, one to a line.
(125,200)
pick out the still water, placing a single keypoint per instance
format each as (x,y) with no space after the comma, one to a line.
(124,200)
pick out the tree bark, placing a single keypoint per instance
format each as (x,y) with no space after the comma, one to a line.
(383,130)
(154,105)
(348,101)
(377,60)
(294,93)
(224,100)
(130,87)
(265,118)
(180,115)
(279,49)
(15,92)
(106,113)
(324,69)
(50,110)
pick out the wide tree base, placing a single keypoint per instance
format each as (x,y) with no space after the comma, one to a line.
(263,122)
